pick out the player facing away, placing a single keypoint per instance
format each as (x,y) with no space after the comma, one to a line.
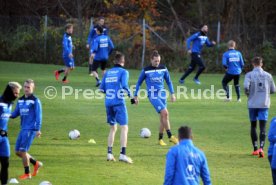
(233,63)
(154,75)
(258,86)
(102,48)
(6,99)
(115,85)
(67,54)
(185,163)
(198,39)
(29,109)
(91,36)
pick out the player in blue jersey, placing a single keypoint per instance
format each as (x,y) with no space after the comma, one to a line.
(6,99)
(272,148)
(92,35)
(67,54)
(29,109)
(115,85)
(198,39)
(233,63)
(154,75)
(185,163)
(102,48)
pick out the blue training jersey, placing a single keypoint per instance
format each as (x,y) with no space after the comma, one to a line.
(185,164)
(199,40)
(232,60)
(5,112)
(67,45)
(115,85)
(272,137)
(154,77)
(30,111)
(93,34)
(102,47)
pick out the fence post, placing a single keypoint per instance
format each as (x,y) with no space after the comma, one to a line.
(218,40)
(45,36)
(144,42)
(91,23)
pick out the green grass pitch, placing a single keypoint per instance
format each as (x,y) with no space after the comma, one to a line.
(220,129)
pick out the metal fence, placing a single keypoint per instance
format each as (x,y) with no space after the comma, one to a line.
(38,39)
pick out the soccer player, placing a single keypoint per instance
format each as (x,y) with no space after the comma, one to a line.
(10,94)
(272,148)
(232,61)
(154,75)
(29,109)
(185,163)
(92,35)
(198,39)
(67,54)
(258,86)
(115,85)
(102,48)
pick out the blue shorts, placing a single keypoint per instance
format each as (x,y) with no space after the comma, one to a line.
(258,114)
(24,140)
(69,62)
(158,103)
(117,114)
(4,147)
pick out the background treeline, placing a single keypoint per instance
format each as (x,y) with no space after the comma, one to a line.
(24,35)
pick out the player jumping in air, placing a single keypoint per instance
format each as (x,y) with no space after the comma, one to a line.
(102,48)
(258,86)
(92,35)
(67,54)
(154,75)
(232,61)
(29,109)
(10,94)
(115,85)
(199,39)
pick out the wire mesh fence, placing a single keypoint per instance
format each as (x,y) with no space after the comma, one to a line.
(38,40)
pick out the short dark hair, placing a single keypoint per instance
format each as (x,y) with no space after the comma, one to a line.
(68,26)
(154,54)
(118,57)
(185,132)
(257,61)
(100,29)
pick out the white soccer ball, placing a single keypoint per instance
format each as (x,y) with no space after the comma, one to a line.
(145,133)
(74,134)
(45,183)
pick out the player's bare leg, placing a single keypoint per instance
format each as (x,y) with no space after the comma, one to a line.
(111,136)
(161,131)
(96,75)
(26,163)
(166,124)
(123,157)
(66,73)
(91,58)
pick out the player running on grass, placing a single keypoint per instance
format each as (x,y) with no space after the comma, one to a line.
(92,35)
(154,75)
(102,49)
(258,86)
(115,85)
(232,61)
(29,109)
(199,39)
(10,94)
(67,54)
